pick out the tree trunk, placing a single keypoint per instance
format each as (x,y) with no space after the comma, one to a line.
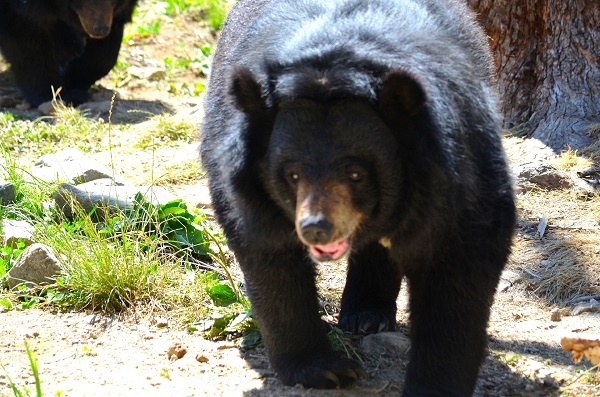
(548,57)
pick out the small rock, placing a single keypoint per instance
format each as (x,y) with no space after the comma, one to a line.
(97,109)
(201,358)
(176,351)
(70,165)
(14,231)
(590,307)
(544,176)
(37,264)
(24,105)
(507,280)
(47,108)
(7,192)
(161,322)
(393,344)
(147,73)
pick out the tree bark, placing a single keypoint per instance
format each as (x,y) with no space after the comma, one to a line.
(547,54)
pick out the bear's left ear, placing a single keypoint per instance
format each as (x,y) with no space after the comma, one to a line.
(247,91)
(401,95)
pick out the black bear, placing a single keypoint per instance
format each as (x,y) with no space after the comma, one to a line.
(61,43)
(365,129)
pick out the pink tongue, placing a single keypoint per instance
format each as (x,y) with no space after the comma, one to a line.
(334,250)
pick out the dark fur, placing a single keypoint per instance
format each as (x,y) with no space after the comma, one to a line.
(47,45)
(400,90)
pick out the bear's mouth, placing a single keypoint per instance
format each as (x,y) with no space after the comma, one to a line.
(330,252)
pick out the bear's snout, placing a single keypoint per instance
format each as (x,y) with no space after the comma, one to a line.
(316,229)
(96,21)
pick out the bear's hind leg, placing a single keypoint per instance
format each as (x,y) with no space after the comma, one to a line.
(372,286)
(282,290)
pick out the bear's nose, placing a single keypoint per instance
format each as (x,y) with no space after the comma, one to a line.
(99,31)
(316,229)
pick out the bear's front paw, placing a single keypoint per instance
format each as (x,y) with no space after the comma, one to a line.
(326,373)
(367,322)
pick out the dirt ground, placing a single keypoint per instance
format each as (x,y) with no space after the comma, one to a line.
(90,354)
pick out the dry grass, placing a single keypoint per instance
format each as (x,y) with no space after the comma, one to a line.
(565,263)
(592,152)
(571,160)
(572,265)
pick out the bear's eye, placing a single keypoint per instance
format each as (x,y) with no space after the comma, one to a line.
(293,177)
(355,176)
(355,173)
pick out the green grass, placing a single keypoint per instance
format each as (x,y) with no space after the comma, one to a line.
(68,128)
(24,392)
(211,11)
(146,257)
(165,129)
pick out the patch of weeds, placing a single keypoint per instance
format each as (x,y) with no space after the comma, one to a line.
(69,127)
(104,273)
(165,373)
(211,11)
(88,350)
(31,194)
(509,359)
(570,160)
(8,256)
(137,256)
(24,391)
(119,74)
(145,24)
(344,343)
(183,230)
(164,129)
(231,318)
(181,173)
(215,12)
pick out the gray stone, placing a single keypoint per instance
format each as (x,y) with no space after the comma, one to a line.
(393,344)
(589,307)
(14,231)
(544,176)
(507,280)
(37,265)
(108,198)
(7,192)
(71,166)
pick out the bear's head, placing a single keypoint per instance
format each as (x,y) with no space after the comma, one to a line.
(334,164)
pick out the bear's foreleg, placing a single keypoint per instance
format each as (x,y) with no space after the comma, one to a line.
(450,307)
(281,286)
(96,61)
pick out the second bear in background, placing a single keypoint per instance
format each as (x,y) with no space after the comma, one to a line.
(61,43)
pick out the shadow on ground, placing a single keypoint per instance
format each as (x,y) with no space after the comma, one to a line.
(498,377)
(103,105)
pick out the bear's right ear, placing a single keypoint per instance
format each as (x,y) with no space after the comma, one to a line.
(401,95)
(247,91)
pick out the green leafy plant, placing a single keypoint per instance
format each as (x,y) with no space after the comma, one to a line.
(8,256)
